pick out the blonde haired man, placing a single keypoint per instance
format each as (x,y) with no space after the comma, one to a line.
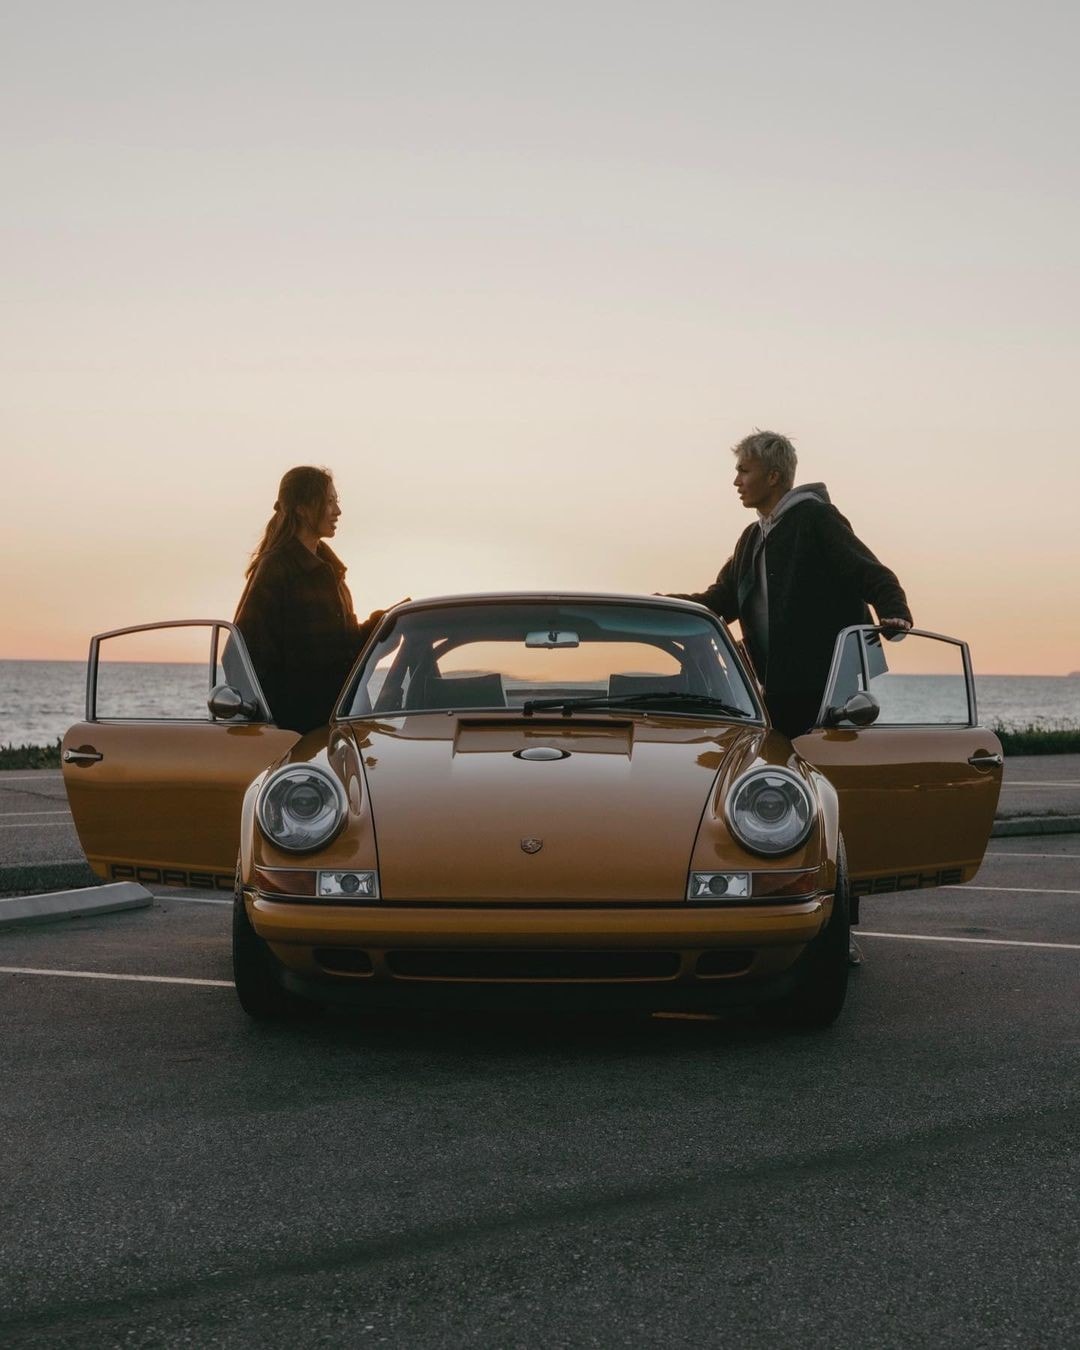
(798,576)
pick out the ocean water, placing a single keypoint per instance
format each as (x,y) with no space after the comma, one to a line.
(39,700)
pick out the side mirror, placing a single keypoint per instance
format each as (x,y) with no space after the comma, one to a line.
(861,709)
(228,703)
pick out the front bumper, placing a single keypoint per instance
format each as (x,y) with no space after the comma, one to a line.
(672,955)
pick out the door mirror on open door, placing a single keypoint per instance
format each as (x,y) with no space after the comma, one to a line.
(860,710)
(227,704)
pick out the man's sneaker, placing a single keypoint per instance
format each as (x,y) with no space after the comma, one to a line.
(854,954)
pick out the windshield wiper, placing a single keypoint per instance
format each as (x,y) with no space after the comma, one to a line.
(653,698)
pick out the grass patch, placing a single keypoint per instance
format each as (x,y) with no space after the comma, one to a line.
(30,756)
(1033,740)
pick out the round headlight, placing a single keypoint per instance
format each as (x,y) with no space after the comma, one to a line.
(771,811)
(301,808)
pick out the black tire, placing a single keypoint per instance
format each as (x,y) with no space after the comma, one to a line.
(255,972)
(821,973)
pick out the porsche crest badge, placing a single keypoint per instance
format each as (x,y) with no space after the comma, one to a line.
(532,845)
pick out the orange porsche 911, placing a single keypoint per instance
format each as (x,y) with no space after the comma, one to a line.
(536,800)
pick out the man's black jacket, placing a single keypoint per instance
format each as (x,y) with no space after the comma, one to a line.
(298,623)
(820,578)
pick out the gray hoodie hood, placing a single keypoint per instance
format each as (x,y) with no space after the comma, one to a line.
(817,491)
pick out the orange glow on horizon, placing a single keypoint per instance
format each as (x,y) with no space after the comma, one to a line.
(521,279)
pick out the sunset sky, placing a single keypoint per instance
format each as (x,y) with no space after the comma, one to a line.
(520,275)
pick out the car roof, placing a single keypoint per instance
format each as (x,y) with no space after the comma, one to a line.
(548,597)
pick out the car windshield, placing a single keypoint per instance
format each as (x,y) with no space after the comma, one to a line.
(497,656)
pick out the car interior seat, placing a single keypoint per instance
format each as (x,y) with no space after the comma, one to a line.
(457,691)
(618,685)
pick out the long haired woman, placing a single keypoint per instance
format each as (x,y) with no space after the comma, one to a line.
(296,614)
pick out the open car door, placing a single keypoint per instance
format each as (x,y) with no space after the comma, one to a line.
(176,728)
(917,777)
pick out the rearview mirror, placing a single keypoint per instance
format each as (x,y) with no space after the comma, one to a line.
(861,709)
(228,703)
(552,637)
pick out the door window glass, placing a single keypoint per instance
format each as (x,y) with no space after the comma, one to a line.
(234,670)
(166,673)
(848,675)
(156,673)
(917,679)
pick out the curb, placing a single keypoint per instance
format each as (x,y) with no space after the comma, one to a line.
(1020,825)
(74,904)
(50,876)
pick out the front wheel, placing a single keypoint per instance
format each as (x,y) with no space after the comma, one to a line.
(821,973)
(255,974)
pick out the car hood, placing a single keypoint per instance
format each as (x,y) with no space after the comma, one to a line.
(458,815)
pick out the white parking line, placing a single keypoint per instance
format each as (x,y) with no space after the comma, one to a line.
(61,862)
(1011,890)
(228,984)
(1020,784)
(6,815)
(191,899)
(102,975)
(1031,855)
(29,824)
(34,819)
(979,942)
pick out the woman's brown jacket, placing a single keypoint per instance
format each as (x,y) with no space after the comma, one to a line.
(298,623)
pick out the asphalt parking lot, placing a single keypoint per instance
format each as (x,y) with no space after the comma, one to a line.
(176,1175)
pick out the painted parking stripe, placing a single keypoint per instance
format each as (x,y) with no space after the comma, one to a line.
(995,854)
(7,815)
(978,942)
(26,825)
(228,984)
(192,899)
(1019,783)
(104,975)
(1011,890)
(61,862)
